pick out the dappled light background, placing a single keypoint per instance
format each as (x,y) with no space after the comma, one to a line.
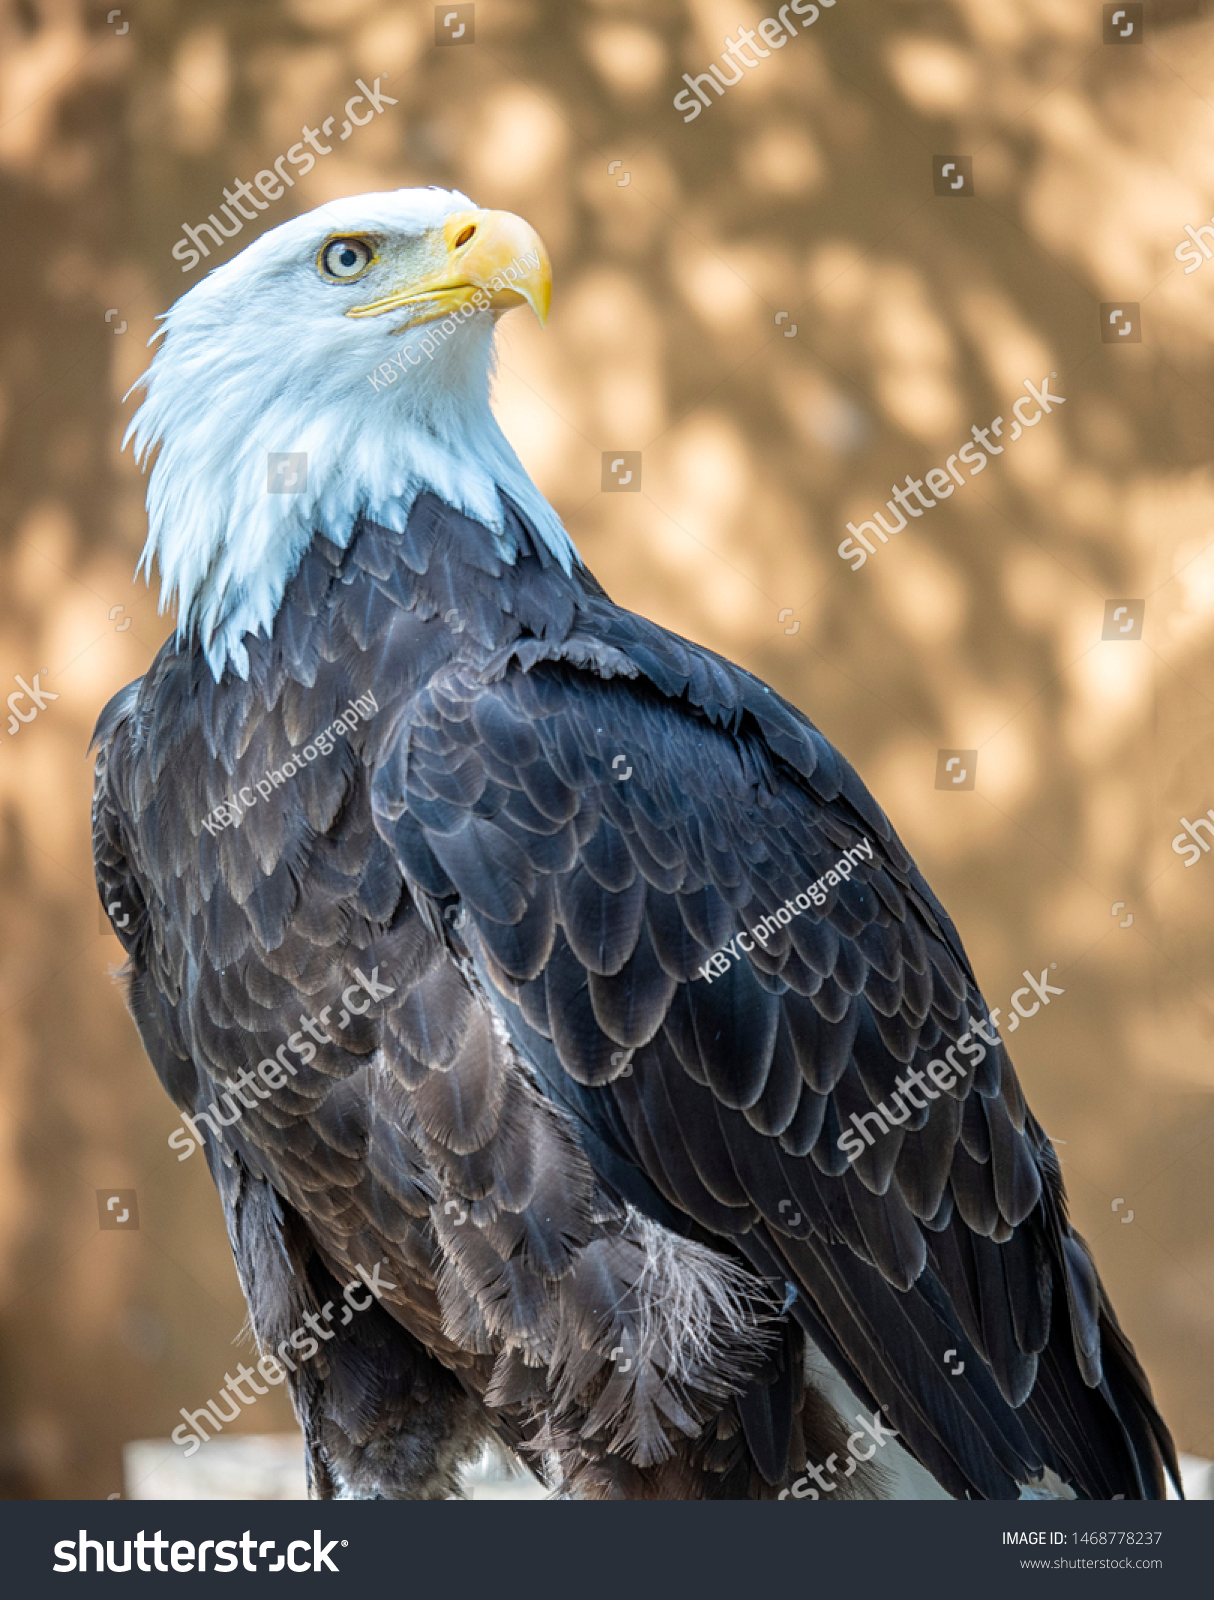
(771,304)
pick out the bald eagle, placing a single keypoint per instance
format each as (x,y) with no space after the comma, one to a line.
(583,1064)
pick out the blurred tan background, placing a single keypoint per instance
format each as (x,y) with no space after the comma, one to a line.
(806,189)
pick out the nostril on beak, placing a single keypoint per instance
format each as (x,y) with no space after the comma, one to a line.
(464,235)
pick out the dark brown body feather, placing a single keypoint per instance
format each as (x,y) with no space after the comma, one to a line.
(596,1178)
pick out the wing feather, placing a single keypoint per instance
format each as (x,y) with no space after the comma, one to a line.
(730,1071)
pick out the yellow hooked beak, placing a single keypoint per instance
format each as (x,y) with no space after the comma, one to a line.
(491,260)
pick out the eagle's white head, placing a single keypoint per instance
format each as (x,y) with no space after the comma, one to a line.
(339,365)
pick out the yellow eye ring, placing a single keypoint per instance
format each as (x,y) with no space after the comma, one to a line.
(343,260)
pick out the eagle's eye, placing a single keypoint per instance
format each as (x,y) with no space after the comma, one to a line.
(343,259)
